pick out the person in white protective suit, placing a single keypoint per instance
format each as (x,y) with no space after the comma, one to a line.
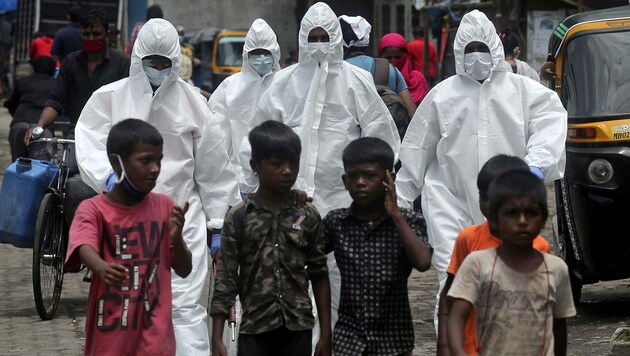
(464,121)
(232,105)
(328,103)
(195,168)
(234,101)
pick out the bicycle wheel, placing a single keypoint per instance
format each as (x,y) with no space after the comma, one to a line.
(49,252)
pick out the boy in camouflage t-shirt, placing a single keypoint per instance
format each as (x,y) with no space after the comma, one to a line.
(269,252)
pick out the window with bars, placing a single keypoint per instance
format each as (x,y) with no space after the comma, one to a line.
(392,16)
(400,19)
(386,25)
(24,28)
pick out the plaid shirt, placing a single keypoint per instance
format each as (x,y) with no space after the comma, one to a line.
(374,312)
(269,266)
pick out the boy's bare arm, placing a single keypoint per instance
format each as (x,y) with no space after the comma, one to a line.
(444,308)
(182,258)
(111,273)
(456,326)
(218,347)
(417,251)
(225,287)
(560,337)
(321,292)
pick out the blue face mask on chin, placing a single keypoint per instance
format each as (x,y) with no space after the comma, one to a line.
(127,186)
(156,77)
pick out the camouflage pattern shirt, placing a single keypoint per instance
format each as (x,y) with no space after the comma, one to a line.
(270,265)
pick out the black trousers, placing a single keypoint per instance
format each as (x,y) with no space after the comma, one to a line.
(278,342)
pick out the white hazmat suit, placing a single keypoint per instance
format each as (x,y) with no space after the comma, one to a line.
(462,123)
(328,103)
(234,101)
(181,115)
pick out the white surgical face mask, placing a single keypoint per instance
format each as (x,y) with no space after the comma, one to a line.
(478,64)
(318,50)
(262,63)
(156,77)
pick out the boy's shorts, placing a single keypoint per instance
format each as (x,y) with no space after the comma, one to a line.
(280,342)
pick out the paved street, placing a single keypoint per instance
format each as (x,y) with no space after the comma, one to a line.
(22,332)
(605,306)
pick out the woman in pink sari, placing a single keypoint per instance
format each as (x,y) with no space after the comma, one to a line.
(393,47)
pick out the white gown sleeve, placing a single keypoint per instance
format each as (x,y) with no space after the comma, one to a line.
(547,127)
(218,106)
(418,151)
(90,134)
(214,174)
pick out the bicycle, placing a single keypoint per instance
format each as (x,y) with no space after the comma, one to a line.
(51,240)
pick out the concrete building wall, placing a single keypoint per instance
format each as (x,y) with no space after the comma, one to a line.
(235,14)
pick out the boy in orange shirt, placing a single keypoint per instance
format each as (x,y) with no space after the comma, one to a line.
(474,238)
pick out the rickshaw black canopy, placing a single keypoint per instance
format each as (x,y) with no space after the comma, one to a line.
(556,40)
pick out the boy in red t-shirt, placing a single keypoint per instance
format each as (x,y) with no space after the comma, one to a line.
(130,238)
(475,238)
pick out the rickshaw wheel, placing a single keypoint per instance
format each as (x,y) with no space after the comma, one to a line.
(559,246)
(48,257)
(562,237)
(576,287)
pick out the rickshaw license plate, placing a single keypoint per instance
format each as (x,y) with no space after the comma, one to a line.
(621,132)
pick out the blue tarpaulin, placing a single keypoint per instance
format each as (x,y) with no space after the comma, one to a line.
(7,6)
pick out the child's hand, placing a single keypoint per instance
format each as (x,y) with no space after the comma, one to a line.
(177,221)
(114,273)
(300,198)
(391,204)
(218,348)
(182,258)
(323,347)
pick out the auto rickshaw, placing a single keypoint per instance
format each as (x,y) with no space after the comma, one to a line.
(589,67)
(220,52)
(228,54)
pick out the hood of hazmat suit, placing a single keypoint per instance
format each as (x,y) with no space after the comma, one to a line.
(476,29)
(327,103)
(233,102)
(195,168)
(461,124)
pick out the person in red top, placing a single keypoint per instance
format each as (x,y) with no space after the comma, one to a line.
(416,52)
(475,238)
(130,239)
(41,45)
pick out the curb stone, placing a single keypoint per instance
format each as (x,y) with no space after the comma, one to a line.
(620,342)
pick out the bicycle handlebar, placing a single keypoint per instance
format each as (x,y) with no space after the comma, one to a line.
(62,141)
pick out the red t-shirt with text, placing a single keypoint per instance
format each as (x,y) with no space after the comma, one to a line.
(133,318)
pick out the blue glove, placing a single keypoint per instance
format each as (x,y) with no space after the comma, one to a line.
(111,182)
(538,172)
(215,245)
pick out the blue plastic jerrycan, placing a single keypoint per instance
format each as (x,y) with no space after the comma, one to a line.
(23,187)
